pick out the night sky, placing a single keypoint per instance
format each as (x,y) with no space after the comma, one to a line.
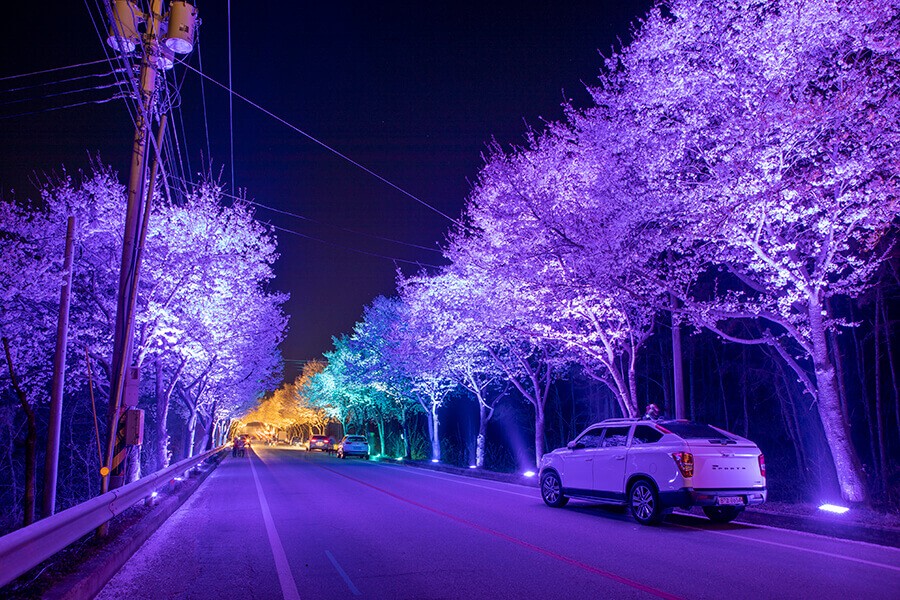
(413,91)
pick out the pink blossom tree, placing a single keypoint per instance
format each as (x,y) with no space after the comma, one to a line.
(773,131)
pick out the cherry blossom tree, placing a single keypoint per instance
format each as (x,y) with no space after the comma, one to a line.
(447,335)
(774,127)
(30,276)
(547,221)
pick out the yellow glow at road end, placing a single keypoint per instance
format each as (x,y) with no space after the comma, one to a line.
(104,471)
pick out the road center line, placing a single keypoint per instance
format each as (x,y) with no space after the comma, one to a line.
(283,568)
(343,574)
(566,559)
(792,547)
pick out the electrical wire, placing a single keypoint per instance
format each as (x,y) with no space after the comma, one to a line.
(124,71)
(57,82)
(348,248)
(317,222)
(230,102)
(327,147)
(58,94)
(203,99)
(54,108)
(86,64)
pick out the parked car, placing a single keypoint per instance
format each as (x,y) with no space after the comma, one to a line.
(353,445)
(296,441)
(654,467)
(319,442)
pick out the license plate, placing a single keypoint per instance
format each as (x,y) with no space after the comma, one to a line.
(730,500)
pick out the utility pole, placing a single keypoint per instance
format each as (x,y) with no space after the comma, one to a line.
(51,463)
(178,24)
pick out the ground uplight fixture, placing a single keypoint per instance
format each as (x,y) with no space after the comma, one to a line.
(834,508)
(435,460)
(473,466)
(529,473)
(154,494)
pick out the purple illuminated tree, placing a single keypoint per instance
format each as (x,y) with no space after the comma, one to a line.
(205,319)
(771,131)
(440,304)
(552,219)
(30,279)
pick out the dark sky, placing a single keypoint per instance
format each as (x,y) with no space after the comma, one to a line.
(413,91)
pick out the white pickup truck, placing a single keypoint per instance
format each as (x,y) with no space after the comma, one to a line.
(656,466)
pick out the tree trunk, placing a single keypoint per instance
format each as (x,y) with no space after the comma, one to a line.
(192,429)
(379,423)
(879,420)
(538,433)
(406,443)
(745,402)
(30,440)
(162,415)
(433,432)
(837,430)
(133,464)
(480,439)
(677,363)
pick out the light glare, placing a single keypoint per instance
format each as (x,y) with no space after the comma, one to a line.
(529,473)
(834,508)
(473,467)
(435,460)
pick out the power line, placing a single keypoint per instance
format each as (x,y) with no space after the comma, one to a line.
(203,98)
(341,246)
(57,82)
(105,86)
(126,76)
(318,222)
(73,105)
(327,147)
(230,102)
(86,64)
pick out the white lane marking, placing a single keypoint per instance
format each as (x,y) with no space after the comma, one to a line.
(809,534)
(459,479)
(343,574)
(793,547)
(285,577)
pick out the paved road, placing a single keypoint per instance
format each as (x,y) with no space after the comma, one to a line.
(286,523)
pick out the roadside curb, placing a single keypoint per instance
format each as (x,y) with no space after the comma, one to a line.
(95,573)
(882,536)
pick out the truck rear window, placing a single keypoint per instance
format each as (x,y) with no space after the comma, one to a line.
(696,431)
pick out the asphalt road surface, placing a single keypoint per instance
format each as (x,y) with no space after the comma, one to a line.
(289,524)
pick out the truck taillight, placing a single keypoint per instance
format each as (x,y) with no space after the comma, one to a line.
(762,465)
(685,462)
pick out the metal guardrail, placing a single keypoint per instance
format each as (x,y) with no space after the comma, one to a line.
(26,548)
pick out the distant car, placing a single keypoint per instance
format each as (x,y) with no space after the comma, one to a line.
(319,442)
(656,466)
(296,441)
(353,445)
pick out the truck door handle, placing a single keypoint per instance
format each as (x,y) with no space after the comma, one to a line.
(620,457)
